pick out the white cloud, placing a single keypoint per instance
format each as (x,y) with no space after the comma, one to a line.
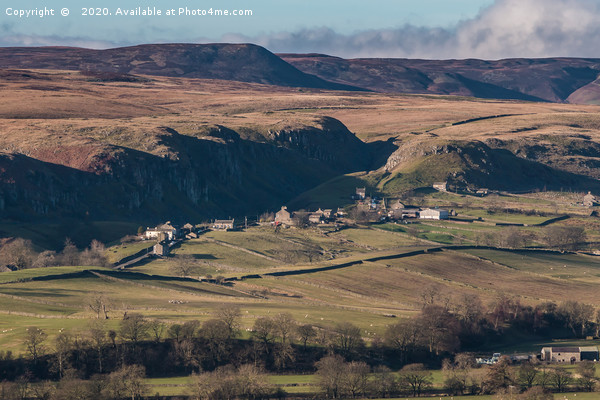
(508,28)
(39,40)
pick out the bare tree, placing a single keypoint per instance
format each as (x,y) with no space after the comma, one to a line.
(285,327)
(577,316)
(587,375)
(95,255)
(63,346)
(189,329)
(560,379)
(356,378)
(45,259)
(347,337)
(100,304)
(34,341)
(384,382)
(526,374)
(511,237)
(157,329)
(305,332)
(230,314)
(264,330)
(330,376)
(565,237)
(402,336)
(70,254)
(18,253)
(130,381)
(175,331)
(183,264)
(217,334)
(134,328)
(97,335)
(416,377)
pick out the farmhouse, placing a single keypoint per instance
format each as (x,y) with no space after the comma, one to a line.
(569,354)
(589,200)
(441,186)
(223,224)
(433,213)
(361,193)
(167,229)
(187,228)
(317,217)
(340,213)
(283,217)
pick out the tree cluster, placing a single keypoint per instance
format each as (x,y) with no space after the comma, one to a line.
(20,254)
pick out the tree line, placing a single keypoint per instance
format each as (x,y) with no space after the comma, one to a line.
(340,355)
(18,253)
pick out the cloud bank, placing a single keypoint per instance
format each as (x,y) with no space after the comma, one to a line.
(506,29)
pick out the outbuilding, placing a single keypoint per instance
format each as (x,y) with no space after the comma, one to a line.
(433,213)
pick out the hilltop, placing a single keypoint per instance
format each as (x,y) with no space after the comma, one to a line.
(235,62)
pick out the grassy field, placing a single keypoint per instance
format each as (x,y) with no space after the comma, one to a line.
(367,293)
(577,267)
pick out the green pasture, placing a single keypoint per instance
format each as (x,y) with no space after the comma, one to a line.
(565,266)
(27,274)
(118,252)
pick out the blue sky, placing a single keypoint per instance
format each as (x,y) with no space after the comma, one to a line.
(348,28)
(269,16)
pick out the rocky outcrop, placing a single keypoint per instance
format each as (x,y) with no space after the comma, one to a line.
(495,165)
(218,174)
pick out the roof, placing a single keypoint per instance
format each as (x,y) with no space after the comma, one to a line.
(588,349)
(224,221)
(565,349)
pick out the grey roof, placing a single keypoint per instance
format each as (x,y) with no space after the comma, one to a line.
(565,349)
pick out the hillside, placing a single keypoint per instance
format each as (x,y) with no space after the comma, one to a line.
(553,79)
(236,62)
(141,149)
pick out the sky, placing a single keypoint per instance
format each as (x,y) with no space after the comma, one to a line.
(432,29)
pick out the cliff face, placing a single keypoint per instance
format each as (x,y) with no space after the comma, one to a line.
(502,165)
(216,175)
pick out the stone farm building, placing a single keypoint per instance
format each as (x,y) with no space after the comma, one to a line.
(361,193)
(433,213)
(441,186)
(569,354)
(589,200)
(165,231)
(223,224)
(284,217)
(161,249)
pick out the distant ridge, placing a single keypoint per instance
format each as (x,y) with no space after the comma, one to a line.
(549,79)
(235,62)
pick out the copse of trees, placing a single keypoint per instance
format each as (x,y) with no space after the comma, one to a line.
(19,253)
(441,330)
